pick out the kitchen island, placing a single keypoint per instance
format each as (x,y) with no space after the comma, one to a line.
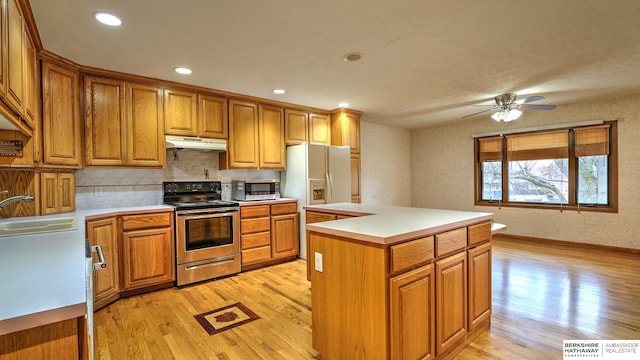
(396,282)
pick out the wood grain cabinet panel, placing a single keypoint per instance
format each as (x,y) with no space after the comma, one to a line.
(271,137)
(106,282)
(105,122)
(148,257)
(479,233)
(243,148)
(412,314)
(61,127)
(32,82)
(355,178)
(296,127)
(15,56)
(345,129)
(284,236)
(410,254)
(181,113)
(213,121)
(57,193)
(451,302)
(145,116)
(3,46)
(451,241)
(479,260)
(319,129)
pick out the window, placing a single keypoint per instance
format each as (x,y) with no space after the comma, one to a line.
(571,168)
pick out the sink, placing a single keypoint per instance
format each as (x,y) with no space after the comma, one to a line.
(36,226)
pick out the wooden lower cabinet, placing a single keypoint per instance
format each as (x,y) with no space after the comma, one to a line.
(59,340)
(268,233)
(106,282)
(451,302)
(479,262)
(412,311)
(148,257)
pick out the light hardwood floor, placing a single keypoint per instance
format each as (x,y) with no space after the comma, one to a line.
(542,294)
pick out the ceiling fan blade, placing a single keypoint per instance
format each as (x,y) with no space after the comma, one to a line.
(537,107)
(483,111)
(532,99)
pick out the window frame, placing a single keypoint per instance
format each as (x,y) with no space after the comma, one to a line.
(572,205)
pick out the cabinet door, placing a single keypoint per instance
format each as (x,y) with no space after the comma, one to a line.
(479,285)
(66,192)
(3,48)
(451,302)
(48,193)
(355,178)
(243,135)
(145,117)
(106,282)
(212,114)
(412,312)
(104,121)
(296,127)
(284,236)
(345,129)
(15,56)
(271,136)
(61,131)
(148,257)
(32,82)
(319,129)
(180,117)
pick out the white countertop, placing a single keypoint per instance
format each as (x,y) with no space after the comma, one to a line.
(390,224)
(44,273)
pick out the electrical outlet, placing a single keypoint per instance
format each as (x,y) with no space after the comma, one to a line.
(318,262)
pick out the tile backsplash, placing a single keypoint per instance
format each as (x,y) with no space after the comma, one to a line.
(98,188)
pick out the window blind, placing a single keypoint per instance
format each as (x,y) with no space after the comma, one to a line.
(592,140)
(491,149)
(536,146)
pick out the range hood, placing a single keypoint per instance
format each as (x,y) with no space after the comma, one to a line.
(195,143)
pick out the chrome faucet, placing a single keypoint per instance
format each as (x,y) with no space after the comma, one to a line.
(11,200)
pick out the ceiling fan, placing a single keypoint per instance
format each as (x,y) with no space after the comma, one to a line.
(507,109)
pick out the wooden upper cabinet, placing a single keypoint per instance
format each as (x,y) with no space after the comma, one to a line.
(212,117)
(61,128)
(32,83)
(124,124)
(145,116)
(243,149)
(345,129)
(296,127)
(105,124)
(3,47)
(15,56)
(57,193)
(271,137)
(319,129)
(181,113)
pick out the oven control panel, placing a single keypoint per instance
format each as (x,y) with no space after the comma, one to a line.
(185,187)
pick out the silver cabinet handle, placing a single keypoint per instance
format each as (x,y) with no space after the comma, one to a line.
(101,264)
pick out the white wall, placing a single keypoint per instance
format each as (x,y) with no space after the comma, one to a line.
(385,164)
(442,177)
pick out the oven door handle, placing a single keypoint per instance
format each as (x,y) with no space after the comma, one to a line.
(190,216)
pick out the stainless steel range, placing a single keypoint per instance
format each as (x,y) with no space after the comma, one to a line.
(207,230)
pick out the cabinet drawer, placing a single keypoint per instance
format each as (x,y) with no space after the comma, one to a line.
(407,255)
(251,241)
(143,221)
(314,217)
(281,209)
(480,233)
(247,212)
(451,241)
(249,226)
(256,255)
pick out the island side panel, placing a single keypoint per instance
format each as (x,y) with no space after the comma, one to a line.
(349,299)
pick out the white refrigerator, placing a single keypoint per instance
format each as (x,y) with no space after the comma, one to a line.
(316,174)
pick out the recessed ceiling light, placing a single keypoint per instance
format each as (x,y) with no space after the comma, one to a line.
(343,105)
(278,91)
(183,70)
(351,57)
(108,19)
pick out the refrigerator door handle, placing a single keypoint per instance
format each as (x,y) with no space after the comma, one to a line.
(330,189)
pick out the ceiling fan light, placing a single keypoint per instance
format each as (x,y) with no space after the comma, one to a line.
(506,115)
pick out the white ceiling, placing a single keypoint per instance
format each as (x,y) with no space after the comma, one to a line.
(424,62)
